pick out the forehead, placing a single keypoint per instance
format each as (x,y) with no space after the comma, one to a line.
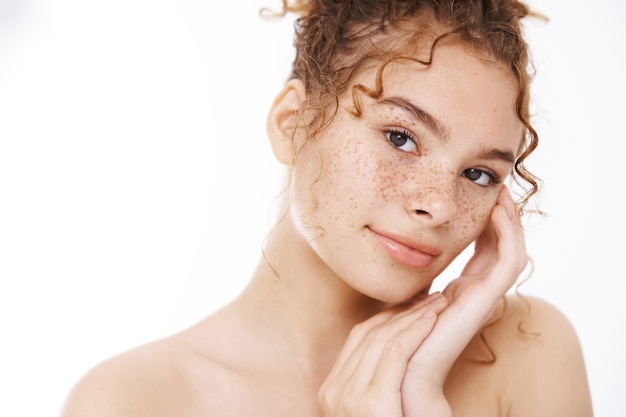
(470,95)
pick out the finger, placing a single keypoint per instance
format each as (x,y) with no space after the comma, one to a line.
(398,330)
(503,237)
(499,258)
(361,330)
(489,238)
(359,361)
(506,200)
(506,219)
(439,350)
(475,296)
(512,254)
(397,352)
(494,267)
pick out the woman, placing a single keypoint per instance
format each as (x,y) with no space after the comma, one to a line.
(399,126)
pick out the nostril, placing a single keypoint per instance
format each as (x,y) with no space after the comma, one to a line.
(421,212)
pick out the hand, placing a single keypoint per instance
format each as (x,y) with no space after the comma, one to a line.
(366,379)
(499,258)
(395,364)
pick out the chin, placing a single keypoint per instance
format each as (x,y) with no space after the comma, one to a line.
(397,294)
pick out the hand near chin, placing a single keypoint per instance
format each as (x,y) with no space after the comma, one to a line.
(395,364)
(498,260)
(367,378)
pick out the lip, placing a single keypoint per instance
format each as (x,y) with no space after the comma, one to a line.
(405,250)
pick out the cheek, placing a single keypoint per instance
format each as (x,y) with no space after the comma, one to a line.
(331,181)
(474,214)
(386,180)
(397,176)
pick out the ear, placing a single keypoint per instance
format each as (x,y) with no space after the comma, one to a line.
(283,119)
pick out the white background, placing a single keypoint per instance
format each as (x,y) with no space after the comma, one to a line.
(136,182)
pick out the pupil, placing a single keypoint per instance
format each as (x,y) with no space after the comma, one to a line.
(397,139)
(473,174)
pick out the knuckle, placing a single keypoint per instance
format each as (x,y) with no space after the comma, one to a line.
(378,334)
(359,330)
(395,346)
(326,400)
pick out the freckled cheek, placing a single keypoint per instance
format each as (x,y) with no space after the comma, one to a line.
(387,180)
(473,215)
(335,180)
(354,172)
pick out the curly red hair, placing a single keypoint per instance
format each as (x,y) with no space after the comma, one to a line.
(334,40)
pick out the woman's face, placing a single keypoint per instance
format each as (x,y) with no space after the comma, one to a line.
(387,200)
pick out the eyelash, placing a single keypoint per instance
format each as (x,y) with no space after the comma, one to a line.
(494,178)
(406,134)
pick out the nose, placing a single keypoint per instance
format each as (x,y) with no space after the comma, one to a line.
(434,205)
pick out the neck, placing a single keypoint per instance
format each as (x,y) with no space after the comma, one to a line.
(295,299)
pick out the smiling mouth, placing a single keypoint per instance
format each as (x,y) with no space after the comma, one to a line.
(405,252)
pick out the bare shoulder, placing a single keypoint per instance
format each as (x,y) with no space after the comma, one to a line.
(186,374)
(526,361)
(136,382)
(537,348)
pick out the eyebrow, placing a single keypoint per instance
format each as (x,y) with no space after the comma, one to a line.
(439,129)
(430,121)
(506,156)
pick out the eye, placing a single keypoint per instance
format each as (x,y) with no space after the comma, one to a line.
(401,139)
(480,177)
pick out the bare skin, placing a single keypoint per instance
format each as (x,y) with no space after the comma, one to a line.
(347,327)
(191,374)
